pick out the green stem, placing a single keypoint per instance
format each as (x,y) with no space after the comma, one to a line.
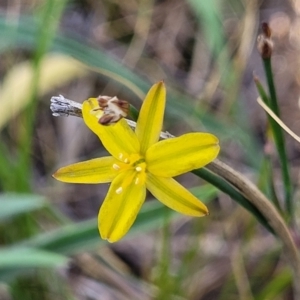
(277,133)
(266,182)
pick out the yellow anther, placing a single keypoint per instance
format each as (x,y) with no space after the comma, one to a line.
(116,167)
(138,169)
(119,190)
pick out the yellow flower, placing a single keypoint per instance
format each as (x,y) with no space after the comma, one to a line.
(140,161)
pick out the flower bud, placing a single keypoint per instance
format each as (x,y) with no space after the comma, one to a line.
(264,42)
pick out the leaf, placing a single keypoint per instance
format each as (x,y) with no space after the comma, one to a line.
(227,188)
(275,287)
(15,204)
(30,258)
(210,18)
(82,236)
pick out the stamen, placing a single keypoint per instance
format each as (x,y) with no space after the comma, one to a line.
(137,180)
(138,169)
(126,160)
(119,190)
(116,167)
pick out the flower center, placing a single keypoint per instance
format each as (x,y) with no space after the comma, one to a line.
(136,166)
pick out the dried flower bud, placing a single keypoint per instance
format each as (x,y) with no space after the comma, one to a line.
(113,109)
(264,42)
(266,29)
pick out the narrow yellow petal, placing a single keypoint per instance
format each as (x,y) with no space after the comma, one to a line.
(151,116)
(98,170)
(119,139)
(175,196)
(121,206)
(179,155)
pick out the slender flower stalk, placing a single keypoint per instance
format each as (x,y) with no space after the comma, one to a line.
(265,48)
(139,161)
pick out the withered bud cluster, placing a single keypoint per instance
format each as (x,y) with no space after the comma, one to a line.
(265,44)
(113,109)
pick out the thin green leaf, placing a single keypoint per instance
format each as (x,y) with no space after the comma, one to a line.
(82,236)
(15,204)
(227,188)
(29,258)
(276,285)
(208,13)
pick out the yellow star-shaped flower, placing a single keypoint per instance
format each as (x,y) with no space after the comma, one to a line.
(140,161)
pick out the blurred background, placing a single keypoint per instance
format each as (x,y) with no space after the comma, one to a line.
(205,51)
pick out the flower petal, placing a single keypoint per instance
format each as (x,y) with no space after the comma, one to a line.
(151,116)
(119,139)
(121,206)
(175,196)
(179,155)
(98,170)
